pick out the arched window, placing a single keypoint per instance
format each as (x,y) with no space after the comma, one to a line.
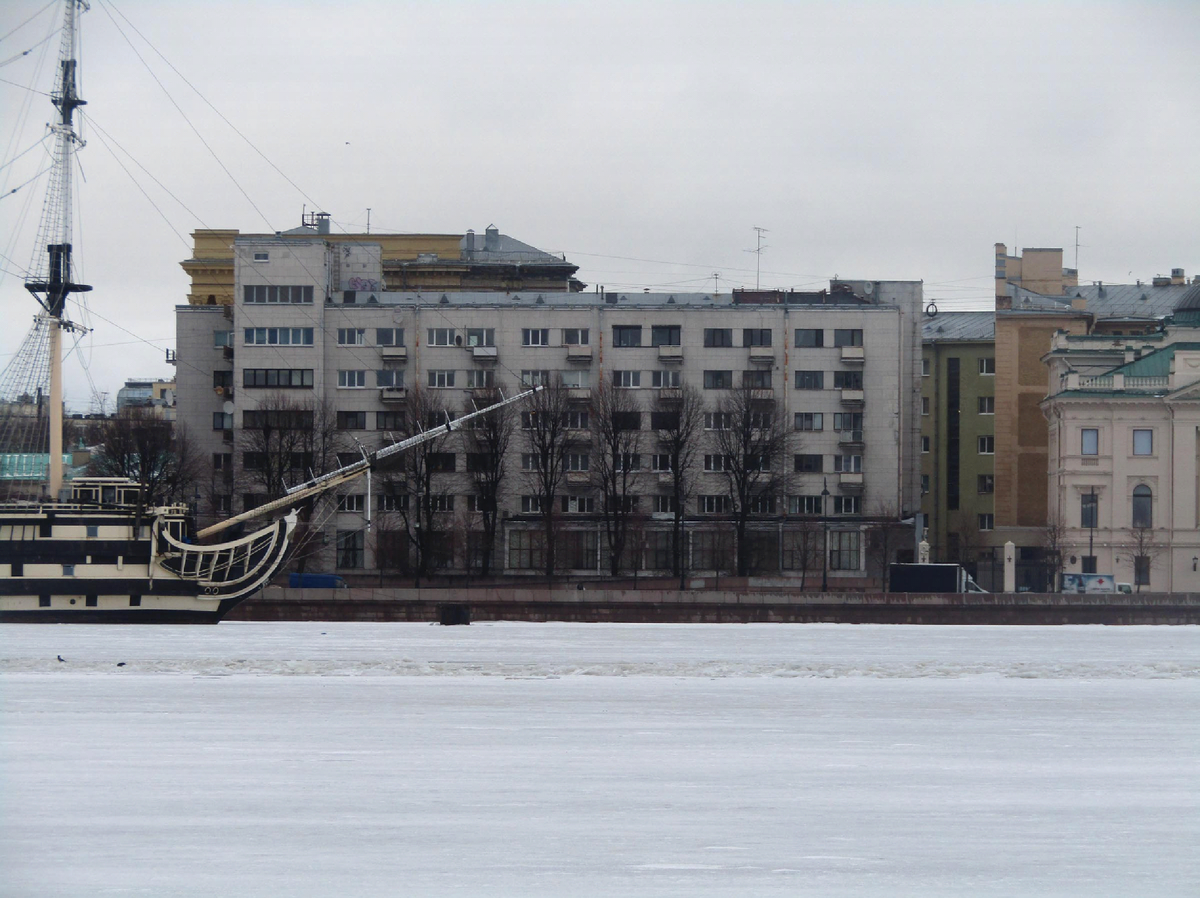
(1143,506)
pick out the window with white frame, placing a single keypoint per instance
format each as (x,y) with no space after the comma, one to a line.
(987,366)
(575,420)
(925,444)
(810,421)
(351,336)
(481,378)
(847,504)
(987,405)
(576,461)
(278,336)
(665,378)
(440,336)
(1089,441)
(718,420)
(664,505)
(579,379)
(440,379)
(352,379)
(713,504)
(847,464)
(925,367)
(987,445)
(806,505)
(718,463)
(627,379)
(535,336)
(481,336)
(1143,442)
(354,503)
(531,505)
(987,521)
(660,463)
(535,378)
(389,336)
(575,336)
(578,505)
(844,548)
(389,377)
(925,404)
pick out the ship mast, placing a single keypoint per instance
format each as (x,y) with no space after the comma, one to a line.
(55,283)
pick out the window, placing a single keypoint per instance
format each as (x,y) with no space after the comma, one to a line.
(925,405)
(629,461)
(531,336)
(222,461)
(664,378)
(575,336)
(389,420)
(352,379)
(283,378)
(486,336)
(665,335)
(717,463)
(718,421)
(985,484)
(756,336)
(809,337)
(392,378)
(925,367)
(350,548)
(351,503)
(664,505)
(351,420)
(531,505)
(440,462)
(756,380)
(627,420)
(660,462)
(221,339)
(441,379)
(480,503)
(924,484)
(440,502)
(535,378)
(481,378)
(276,295)
(627,335)
(848,337)
(278,336)
(987,367)
(718,380)
(262,257)
(222,504)
(987,405)
(479,462)
(222,380)
(847,464)
(1089,508)
(847,504)
(351,336)
(627,379)
(987,445)
(573,420)
(441,336)
(281,419)
(844,546)
(577,461)
(389,336)
(1087,564)
(847,380)
(529,461)
(1141,570)
(718,336)
(804,504)
(987,521)
(392,502)
(1143,507)
(718,504)
(1089,440)
(578,505)
(664,420)
(810,380)
(254,461)
(808,464)
(525,550)
(810,421)
(762,505)
(576,380)
(925,443)
(1143,442)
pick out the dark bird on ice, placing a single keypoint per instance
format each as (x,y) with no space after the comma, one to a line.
(60,658)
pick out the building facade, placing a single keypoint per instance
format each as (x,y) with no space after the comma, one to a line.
(835,372)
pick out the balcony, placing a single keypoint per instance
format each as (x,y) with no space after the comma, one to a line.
(224,392)
(577,353)
(227,352)
(578,477)
(762,394)
(579,394)
(393,394)
(670,394)
(853,397)
(670,354)
(485,395)
(762,355)
(853,355)
(850,437)
(484,353)
(394,353)
(851,482)
(227,436)
(666,477)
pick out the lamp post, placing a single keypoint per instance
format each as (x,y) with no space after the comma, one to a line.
(1094,511)
(825,544)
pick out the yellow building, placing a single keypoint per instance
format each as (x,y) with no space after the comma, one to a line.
(411,262)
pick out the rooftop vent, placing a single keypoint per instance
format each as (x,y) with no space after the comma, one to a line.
(444,301)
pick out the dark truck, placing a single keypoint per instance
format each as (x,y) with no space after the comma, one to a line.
(930,578)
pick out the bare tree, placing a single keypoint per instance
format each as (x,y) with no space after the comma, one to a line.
(680,425)
(1144,544)
(883,537)
(282,441)
(751,441)
(141,446)
(548,423)
(486,441)
(1053,543)
(617,428)
(804,544)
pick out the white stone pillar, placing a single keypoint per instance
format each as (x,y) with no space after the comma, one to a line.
(1010,567)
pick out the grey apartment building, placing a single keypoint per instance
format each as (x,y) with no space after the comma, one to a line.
(315,347)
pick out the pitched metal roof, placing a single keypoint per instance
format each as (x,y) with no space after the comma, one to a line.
(959,326)
(1107,301)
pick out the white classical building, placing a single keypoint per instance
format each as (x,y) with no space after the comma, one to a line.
(310,319)
(1124,416)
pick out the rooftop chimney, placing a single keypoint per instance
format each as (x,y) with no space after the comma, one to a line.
(1177,276)
(491,239)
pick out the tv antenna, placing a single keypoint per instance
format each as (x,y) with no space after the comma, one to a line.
(758,251)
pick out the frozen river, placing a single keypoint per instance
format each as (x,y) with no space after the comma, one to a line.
(264,759)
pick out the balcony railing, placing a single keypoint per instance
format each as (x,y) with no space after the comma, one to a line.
(762,355)
(396,353)
(670,353)
(853,397)
(484,353)
(849,437)
(853,355)
(850,481)
(576,353)
(393,394)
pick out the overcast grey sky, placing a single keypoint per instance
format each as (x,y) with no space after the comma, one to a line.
(644,140)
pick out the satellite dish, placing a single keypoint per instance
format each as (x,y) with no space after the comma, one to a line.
(227,407)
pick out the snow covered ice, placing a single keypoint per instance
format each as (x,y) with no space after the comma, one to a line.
(263,759)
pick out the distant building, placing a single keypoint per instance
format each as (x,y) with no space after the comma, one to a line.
(838,367)
(958,367)
(148,393)
(1124,438)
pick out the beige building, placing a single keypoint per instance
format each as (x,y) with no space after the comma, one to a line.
(839,367)
(1124,438)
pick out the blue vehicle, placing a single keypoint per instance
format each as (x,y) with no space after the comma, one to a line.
(316,581)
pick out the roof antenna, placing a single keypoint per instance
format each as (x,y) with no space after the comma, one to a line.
(368,219)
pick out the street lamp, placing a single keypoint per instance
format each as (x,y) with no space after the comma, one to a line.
(1094,511)
(825,544)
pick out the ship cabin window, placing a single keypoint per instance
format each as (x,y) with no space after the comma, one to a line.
(45,530)
(68,570)
(90,601)
(108,495)
(93,530)
(135,601)
(18,569)
(43,601)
